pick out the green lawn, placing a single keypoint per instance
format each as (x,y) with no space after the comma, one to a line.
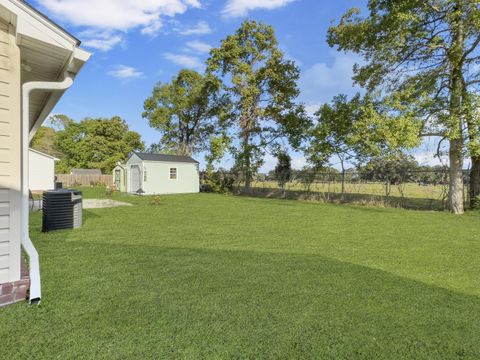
(215,277)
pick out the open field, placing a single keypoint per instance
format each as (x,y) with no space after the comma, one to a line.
(222,277)
(407,195)
(409,190)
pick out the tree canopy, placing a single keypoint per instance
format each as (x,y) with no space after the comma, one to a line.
(95,143)
(262,86)
(44,141)
(283,169)
(420,60)
(186,111)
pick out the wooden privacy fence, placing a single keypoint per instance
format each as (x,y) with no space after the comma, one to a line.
(84,180)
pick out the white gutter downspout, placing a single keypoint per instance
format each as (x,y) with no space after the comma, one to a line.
(34,264)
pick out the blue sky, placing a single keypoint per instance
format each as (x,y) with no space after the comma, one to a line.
(136,43)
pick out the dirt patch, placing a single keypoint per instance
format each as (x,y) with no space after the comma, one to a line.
(102,203)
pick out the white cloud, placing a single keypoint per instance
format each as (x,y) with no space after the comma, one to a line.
(298,161)
(116,16)
(426,153)
(124,72)
(198,47)
(311,109)
(322,81)
(101,40)
(201,28)
(270,161)
(191,62)
(429,158)
(152,29)
(237,8)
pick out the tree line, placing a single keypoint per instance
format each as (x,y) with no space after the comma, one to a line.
(397,170)
(419,78)
(92,143)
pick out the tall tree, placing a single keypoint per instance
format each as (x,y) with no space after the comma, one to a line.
(420,54)
(472,117)
(283,169)
(44,141)
(186,111)
(333,133)
(357,130)
(158,148)
(96,144)
(393,169)
(262,86)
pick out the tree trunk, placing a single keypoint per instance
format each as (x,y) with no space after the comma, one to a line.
(475,182)
(456,194)
(343,178)
(247,172)
(473,134)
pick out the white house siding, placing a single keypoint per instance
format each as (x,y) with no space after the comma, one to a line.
(41,171)
(10,155)
(159,182)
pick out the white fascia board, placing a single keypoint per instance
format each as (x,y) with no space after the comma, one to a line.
(31,23)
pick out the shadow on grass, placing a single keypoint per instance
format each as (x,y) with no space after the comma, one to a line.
(128,301)
(89,215)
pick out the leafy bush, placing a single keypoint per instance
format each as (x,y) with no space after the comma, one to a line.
(220,181)
(476,203)
(283,170)
(156,200)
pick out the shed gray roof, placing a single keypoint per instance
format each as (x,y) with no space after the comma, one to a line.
(166,158)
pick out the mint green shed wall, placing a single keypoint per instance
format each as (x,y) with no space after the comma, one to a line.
(155,176)
(158,178)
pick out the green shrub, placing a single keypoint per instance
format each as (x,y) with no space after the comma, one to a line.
(221,182)
(156,200)
(476,203)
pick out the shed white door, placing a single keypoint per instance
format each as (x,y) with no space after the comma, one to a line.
(135,178)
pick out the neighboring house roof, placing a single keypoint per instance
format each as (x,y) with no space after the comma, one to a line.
(86,172)
(43,154)
(166,158)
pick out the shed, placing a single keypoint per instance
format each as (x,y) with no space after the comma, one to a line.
(39,62)
(162,174)
(120,177)
(41,173)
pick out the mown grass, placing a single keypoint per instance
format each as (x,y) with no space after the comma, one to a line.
(218,277)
